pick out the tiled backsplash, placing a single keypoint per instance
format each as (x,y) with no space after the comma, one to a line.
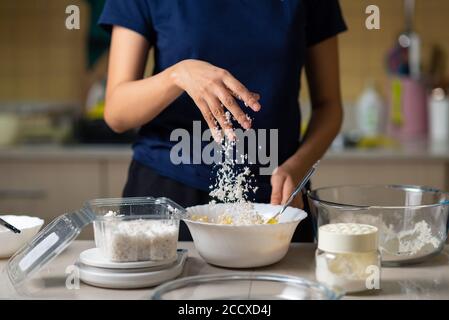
(363,51)
(41,60)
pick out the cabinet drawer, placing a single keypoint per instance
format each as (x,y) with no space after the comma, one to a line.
(48,188)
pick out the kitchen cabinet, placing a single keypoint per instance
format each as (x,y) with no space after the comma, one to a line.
(116,175)
(47,182)
(362,171)
(48,188)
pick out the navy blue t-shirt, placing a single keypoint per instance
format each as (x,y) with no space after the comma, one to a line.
(261,42)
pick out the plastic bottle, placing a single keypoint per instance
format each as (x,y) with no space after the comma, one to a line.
(370,112)
(439,116)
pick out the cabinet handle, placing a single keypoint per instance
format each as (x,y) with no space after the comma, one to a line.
(23,194)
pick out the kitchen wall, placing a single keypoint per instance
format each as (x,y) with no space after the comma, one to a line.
(41,60)
(363,51)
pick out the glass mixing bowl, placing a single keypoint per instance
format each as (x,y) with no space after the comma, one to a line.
(412,220)
(244,286)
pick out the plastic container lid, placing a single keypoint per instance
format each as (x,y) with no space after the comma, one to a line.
(62,231)
(347,238)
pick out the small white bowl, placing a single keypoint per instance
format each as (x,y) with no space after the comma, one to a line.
(10,241)
(243,246)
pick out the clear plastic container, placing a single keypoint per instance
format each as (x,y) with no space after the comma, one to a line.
(141,229)
(58,235)
(244,286)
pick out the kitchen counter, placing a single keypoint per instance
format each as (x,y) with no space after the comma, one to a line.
(429,280)
(412,151)
(69,152)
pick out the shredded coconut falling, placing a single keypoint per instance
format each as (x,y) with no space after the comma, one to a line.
(232,186)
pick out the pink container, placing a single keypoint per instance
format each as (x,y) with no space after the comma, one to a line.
(407,109)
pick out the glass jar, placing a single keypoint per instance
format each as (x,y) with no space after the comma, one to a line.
(348,257)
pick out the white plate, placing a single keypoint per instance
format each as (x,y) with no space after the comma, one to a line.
(10,242)
(94,258)
(130,279)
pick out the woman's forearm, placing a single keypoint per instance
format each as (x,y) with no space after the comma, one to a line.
(131,104)
(322,71)
(132,101)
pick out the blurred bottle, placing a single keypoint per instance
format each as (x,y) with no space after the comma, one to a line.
(439,116)
(91,126)
(96,100)
(370,112)
(408,111)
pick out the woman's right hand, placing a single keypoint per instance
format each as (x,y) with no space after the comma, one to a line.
(213,89)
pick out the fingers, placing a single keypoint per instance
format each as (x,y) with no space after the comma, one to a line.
(217,110)
(241,92)
(229,102)
(210,119)
(277,186)
(287,191)
(216,90)
(282,188)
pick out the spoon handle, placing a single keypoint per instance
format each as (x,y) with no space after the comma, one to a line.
(298,188)
(9,226)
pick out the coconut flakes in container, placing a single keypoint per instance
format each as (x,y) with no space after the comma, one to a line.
(125,239)
(138,240)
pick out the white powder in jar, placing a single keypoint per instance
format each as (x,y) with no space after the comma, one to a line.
(348,271)
(138,240)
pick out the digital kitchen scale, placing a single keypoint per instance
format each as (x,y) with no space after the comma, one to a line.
(127,275)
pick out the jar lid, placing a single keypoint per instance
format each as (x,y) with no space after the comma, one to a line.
(347,237)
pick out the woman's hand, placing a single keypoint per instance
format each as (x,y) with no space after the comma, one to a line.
(284,180)
(213,89)
(132,100)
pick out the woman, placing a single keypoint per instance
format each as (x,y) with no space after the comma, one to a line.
(217,56)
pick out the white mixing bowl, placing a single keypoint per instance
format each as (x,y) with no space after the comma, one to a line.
(10,241)
(243,246)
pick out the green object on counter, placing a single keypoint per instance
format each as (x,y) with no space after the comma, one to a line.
(396,103)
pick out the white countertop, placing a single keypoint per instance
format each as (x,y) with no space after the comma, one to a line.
(429,280)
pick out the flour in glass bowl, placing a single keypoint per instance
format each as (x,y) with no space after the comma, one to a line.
(412,243)
(415,241)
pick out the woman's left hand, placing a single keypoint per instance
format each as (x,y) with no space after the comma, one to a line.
(284,180)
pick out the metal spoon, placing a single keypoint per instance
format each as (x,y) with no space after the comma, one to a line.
(298,188)
(9,226)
